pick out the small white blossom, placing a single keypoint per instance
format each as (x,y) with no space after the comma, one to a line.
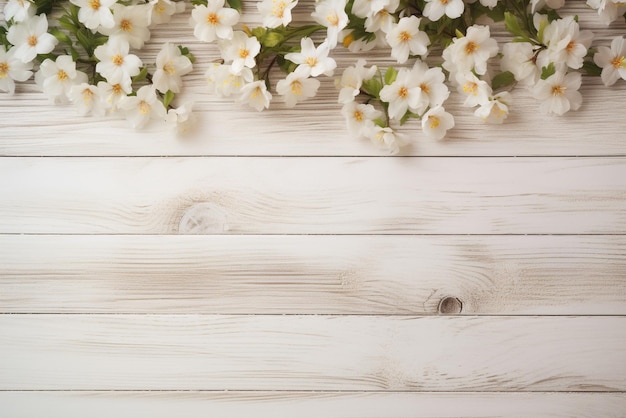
(56,78)
(351,80)
(608,10)
(131,24)
(115,63)
(19,10)
(435,9)
(360,118)
(313,61)
(476,91)
(161,11)
(255,94)
(276,12)
(405,39)
(612,60)
(31,37)
(182,118)
(471,52)
(171,66)
(437,122)
(240,51)
(518,58)
(331,13)
(224,83)
(432,88)
(364,8)
(213,21)
(567,44)
(559,93)
(12,69)
(143,107)
(496,110)
(402,94)
(387,138)
(296,88)
(95,13)
(86,98)
(382,19)
(112,94)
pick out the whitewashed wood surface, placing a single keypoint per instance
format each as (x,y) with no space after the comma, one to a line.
(268,265)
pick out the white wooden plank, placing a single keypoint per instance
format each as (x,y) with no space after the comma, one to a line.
(575,275)
(313,195)
(308,404)
(183,352)
(32,126)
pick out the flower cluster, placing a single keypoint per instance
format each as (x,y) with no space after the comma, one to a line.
(437,48)
(90,58)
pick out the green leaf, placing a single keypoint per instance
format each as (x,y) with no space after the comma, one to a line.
(390,75)
(408,115)
(43,6)
(60,35)
(184,51)
(199,2)
(503,79)
(592,69)
(511,23)
(143,74)
(273,38)
(548,71)
(458,33)
(373,86)
(235,4)
(167,99)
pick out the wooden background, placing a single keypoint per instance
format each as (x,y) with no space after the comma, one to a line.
(269,265)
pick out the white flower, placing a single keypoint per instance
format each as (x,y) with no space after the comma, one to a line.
(475,90)
(612,60)
(31,37)
(95,13)
(559,93)
(496,110)
(403,93)
(360,118)
(331,13)
(608,10)
(171,65)
(313,61)
(55,78)
(224,83)
(143,107)
(86,98)
(19,10)
(437,122)
(352,79)
(567,44)
(296,88)
(116,64)
(161,11)
(182,118)
(276,12)
(364,8)
(131,24)
(387,138)
(382,19)
(471,52)
(405,38)
(214,21)
(255,94)
(432,88)
(12,69)
(112,94)
(435,9)
(518,58)
(241,51)
(540,4)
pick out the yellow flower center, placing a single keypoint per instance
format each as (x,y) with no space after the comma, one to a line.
(348,40)
(126,25)
(169,68)
(558,90)
(570,47)
(470,87)
(333,19)
(87,96)
(403,92)
(32,40)
(424,87)
(358,115)
(618,62)
(62,75)
(94,4)
(433,121)
(117,89)
(144,107)
(213,19)
(117,59)
(4,70)
(296,88)
(243,53)
(444,2)
(404,36)
(311,61)
(159,8)
(471,47)
(278,9)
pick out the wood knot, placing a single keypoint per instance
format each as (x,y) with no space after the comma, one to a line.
(450,306)
(204,218)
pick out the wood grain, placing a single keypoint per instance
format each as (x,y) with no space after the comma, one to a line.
(193,352)
(309,404)
(384,275)
(313,195)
